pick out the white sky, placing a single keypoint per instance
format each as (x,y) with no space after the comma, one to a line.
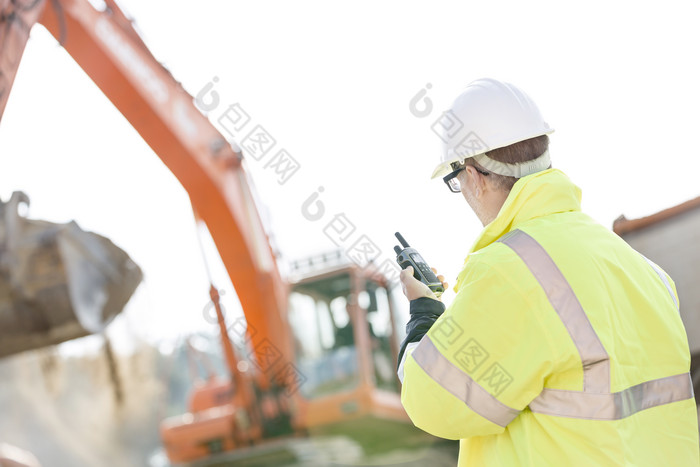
(332,82)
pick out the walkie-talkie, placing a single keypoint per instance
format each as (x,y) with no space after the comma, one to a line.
(408,256)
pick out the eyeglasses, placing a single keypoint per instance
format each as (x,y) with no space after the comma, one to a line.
(452,181)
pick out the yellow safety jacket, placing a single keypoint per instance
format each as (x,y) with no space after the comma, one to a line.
(563,346)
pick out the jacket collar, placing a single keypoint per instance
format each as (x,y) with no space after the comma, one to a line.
(536,195)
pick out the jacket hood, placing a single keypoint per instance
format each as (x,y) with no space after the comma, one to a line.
(536,195)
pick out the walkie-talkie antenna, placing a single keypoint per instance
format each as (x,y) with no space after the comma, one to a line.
(403,241)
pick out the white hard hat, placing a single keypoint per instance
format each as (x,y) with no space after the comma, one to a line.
(488,115)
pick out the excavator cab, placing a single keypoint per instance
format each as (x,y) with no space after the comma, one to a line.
(346,337)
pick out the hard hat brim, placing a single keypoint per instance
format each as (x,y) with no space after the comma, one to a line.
(442,169)
(446,167)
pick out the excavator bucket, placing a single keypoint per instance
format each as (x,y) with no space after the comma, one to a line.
(57,282)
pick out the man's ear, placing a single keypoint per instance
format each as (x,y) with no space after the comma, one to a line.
(476,181)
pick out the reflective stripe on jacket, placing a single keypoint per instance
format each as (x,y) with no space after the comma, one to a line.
(563,346)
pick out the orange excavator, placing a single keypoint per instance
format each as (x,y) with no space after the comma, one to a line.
(316,354)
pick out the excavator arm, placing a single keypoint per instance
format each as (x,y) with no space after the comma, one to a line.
(16,20)
(107,47)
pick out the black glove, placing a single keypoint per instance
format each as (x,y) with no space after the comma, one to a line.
(424,312)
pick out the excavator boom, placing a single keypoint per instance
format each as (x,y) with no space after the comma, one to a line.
(106,46)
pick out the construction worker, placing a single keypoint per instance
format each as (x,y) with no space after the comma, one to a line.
(563,345)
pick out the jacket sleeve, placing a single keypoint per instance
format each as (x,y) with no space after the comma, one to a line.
(481,363)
